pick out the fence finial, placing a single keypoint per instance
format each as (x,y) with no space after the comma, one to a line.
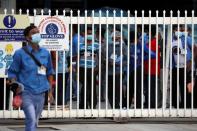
(56,12)
(49,11)
(12,11)
(78,12)
(107,13)
(114,12)
(5,11)
(100,13)
(42,12)
(128,12)
(157,13)
(150,12)
(20,11)
(178,12)
(27,11)
(171,13)
(121,13)
(164,11)
(34,12)
(92,13)
(135,12)
(192,12)
(64,12)
(71,12)
(185,11)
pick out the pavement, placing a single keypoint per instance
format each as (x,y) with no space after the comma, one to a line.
(108,127)
(140,124)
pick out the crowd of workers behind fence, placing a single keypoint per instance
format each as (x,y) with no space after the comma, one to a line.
(144,72)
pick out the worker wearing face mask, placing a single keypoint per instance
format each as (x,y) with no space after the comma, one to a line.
(180,49)
(136,67)
(117,57)
(88,62)
(32,69)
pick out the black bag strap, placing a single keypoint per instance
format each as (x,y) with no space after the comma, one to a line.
(32,56)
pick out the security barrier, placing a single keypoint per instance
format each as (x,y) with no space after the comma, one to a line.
(112,58)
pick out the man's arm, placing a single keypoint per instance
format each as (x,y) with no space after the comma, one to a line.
(50,73)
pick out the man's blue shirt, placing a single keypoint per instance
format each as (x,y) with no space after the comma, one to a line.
(25,70)
(138,56)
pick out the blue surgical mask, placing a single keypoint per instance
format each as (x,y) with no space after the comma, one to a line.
(89,37)
(180,34)
(117,43)
(36,38)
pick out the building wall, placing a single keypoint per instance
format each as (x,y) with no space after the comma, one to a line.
(8,4)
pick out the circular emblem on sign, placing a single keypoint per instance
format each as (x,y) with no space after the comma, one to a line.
(51,29)
(9,21)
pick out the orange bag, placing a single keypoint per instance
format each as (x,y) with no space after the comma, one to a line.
(17,101)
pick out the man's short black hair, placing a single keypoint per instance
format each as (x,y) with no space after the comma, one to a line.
(28,29)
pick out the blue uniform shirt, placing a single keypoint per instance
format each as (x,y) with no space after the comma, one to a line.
(25,70)
(90,63)
(139,55)
(75,43)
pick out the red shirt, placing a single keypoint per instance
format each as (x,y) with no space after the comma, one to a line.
(153,60)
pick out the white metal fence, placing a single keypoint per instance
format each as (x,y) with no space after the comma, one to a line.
(127,105)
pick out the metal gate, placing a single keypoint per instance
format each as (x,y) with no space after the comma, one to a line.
(112,76)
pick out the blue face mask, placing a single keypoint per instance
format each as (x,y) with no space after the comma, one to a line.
(180,34)
(89,37)
(36,38)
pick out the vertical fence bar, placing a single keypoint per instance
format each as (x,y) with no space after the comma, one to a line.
(85,86)
(63,98)
(56,82)
(57,64)
(4,98)
(135,63)
(100,49)
(78,54)
(19,109)
(121,66)
(4,91)
(192,64)
(164,73)
(71,65)
(185,61)
(106,106)
(128,62)
(142,73)
(48,110)
(171,15)
(92,86)
(114,52)
(156,100)
(178,61)
(149,64)
(64,72)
